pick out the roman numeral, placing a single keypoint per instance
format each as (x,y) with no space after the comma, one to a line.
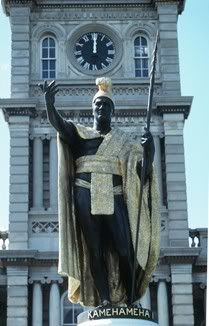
(79,44)
(94,67)
(86,65)
(109,43)
(80,60)
(85,38)
(111,52)
(102,37)
(103,65)
(109,60)
(77,52)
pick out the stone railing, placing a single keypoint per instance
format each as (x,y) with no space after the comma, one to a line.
(199,238)
(3,239)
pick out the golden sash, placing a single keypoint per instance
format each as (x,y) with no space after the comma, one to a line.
(101,186)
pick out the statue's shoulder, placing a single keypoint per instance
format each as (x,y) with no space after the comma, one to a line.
(86,132)
(119,133)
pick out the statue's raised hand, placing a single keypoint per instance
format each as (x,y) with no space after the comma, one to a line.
(49,91)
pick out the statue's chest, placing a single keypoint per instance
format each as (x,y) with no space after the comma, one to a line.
(87,147)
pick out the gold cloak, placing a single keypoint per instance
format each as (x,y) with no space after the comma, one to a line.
(73,253)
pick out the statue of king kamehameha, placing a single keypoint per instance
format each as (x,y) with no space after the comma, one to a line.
(98,197)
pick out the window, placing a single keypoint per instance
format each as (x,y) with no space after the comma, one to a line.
(69,311)
(141,57)
(48,58)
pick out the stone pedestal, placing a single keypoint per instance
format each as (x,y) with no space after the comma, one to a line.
(116,316)
(118,322)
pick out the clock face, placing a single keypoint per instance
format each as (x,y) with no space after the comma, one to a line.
(94,51)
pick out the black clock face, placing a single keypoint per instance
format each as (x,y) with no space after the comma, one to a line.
(94,51)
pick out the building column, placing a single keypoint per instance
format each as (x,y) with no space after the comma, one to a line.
(37,173)
(176,179)
(19,182)
(37,305)
(162,304)
(146,300)
(182,296)
(20,27)
(168,51)
(158,166)
(54,305)
(17,296)
(53,172)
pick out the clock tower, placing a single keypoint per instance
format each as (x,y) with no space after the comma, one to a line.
(73,42)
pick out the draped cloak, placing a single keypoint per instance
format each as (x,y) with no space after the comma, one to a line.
(74,260)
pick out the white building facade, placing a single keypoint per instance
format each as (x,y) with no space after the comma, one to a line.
(50,40)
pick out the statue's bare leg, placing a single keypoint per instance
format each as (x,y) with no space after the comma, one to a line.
(92,230)
(118,226)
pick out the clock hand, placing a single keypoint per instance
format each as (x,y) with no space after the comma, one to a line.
(94,42)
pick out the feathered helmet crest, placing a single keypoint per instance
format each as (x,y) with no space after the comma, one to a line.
(105,88)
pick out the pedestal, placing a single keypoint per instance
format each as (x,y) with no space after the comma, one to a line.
(117,316)
(118,322)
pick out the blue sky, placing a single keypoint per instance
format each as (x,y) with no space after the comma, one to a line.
(193,27)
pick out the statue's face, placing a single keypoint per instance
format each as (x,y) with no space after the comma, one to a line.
(103,108)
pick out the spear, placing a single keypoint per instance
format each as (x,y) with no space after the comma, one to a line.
(143,169)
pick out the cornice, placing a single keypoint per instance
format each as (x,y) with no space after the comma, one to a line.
(174,109)
(179,3)
(181,104)
(18,107)
(133,110)
(172,255)
(27,258)
(52,4)
(36,258)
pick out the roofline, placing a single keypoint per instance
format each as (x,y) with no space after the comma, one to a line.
(89,3)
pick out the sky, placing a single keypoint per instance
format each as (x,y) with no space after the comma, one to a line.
(193,27)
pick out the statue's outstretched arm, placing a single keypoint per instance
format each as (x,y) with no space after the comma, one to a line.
(66,129)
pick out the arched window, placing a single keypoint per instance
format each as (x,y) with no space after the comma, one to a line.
(48,58)
(141,57)
(69,311)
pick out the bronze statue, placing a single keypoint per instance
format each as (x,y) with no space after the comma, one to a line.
(99,181)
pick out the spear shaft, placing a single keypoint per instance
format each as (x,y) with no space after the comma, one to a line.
(144,159)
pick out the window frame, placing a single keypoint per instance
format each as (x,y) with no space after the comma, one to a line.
(64,295)
(140,58)
(48,36)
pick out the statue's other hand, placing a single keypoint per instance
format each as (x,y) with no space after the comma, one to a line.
(49,91)
(148,143)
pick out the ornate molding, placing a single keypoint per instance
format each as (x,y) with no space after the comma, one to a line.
(45,279)
(95,14)
(41,28)
(185,109)
(172,255)
(79,90)
(45,227)
(148,28)
(179,3)
(19,111)
(27,258)
(122,118)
